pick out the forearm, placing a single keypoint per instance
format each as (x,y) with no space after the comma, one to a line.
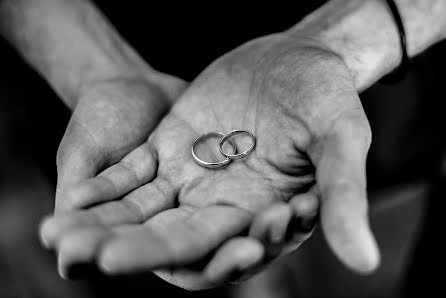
(365,34)
(70,44)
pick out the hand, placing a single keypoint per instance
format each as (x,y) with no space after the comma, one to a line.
(300,102)
(110,120)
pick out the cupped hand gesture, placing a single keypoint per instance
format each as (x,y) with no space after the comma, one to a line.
(156,209)
(110,119)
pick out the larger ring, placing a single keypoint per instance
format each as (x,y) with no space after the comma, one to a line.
(212,165)
(241,154)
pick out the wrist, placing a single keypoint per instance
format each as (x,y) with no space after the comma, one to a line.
(365,35)
(71,45)
(361,33)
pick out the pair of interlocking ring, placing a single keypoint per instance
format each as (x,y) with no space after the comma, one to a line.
(229,156)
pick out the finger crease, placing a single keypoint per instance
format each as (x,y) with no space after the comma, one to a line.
(128,166)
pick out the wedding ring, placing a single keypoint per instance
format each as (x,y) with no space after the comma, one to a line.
(241,154)
(212,165)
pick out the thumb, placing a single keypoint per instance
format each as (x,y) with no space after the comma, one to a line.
(340,159)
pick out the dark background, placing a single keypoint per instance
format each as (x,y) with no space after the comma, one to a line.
(407,121)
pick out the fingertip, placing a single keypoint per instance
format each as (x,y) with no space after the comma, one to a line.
(249,253)
(237,256)
(80,247)
(108,260)
(366,258)
(271,224)
(116,257)
(47,232)
(371,259)
(305,208)
(69,252)
(305,204)
(371,266)
(349,235)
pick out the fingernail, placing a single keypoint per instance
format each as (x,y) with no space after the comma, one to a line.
(62,273)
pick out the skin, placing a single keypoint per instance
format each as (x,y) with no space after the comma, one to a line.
(300,102)
(111,119)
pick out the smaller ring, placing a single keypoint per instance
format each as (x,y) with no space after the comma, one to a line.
(241,154)
(212,165)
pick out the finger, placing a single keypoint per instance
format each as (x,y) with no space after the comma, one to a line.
(340,174)
(79,248)
(284,226)
(305,209)
(182,242)
(236,258)
(52,227)
(271,224)
(78,158)
(134,170)
(136,207)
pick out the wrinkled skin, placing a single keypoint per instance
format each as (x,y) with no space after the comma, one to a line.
(156,208)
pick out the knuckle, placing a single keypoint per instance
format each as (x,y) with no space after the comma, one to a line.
(141,163)
(134,169)
(352,193)
(355,123)
(340,187)
(364,132)
(344,185)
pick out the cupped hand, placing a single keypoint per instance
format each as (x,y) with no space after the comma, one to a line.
(299,101)
(111,118)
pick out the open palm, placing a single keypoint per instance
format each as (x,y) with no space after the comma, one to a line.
(158,209)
